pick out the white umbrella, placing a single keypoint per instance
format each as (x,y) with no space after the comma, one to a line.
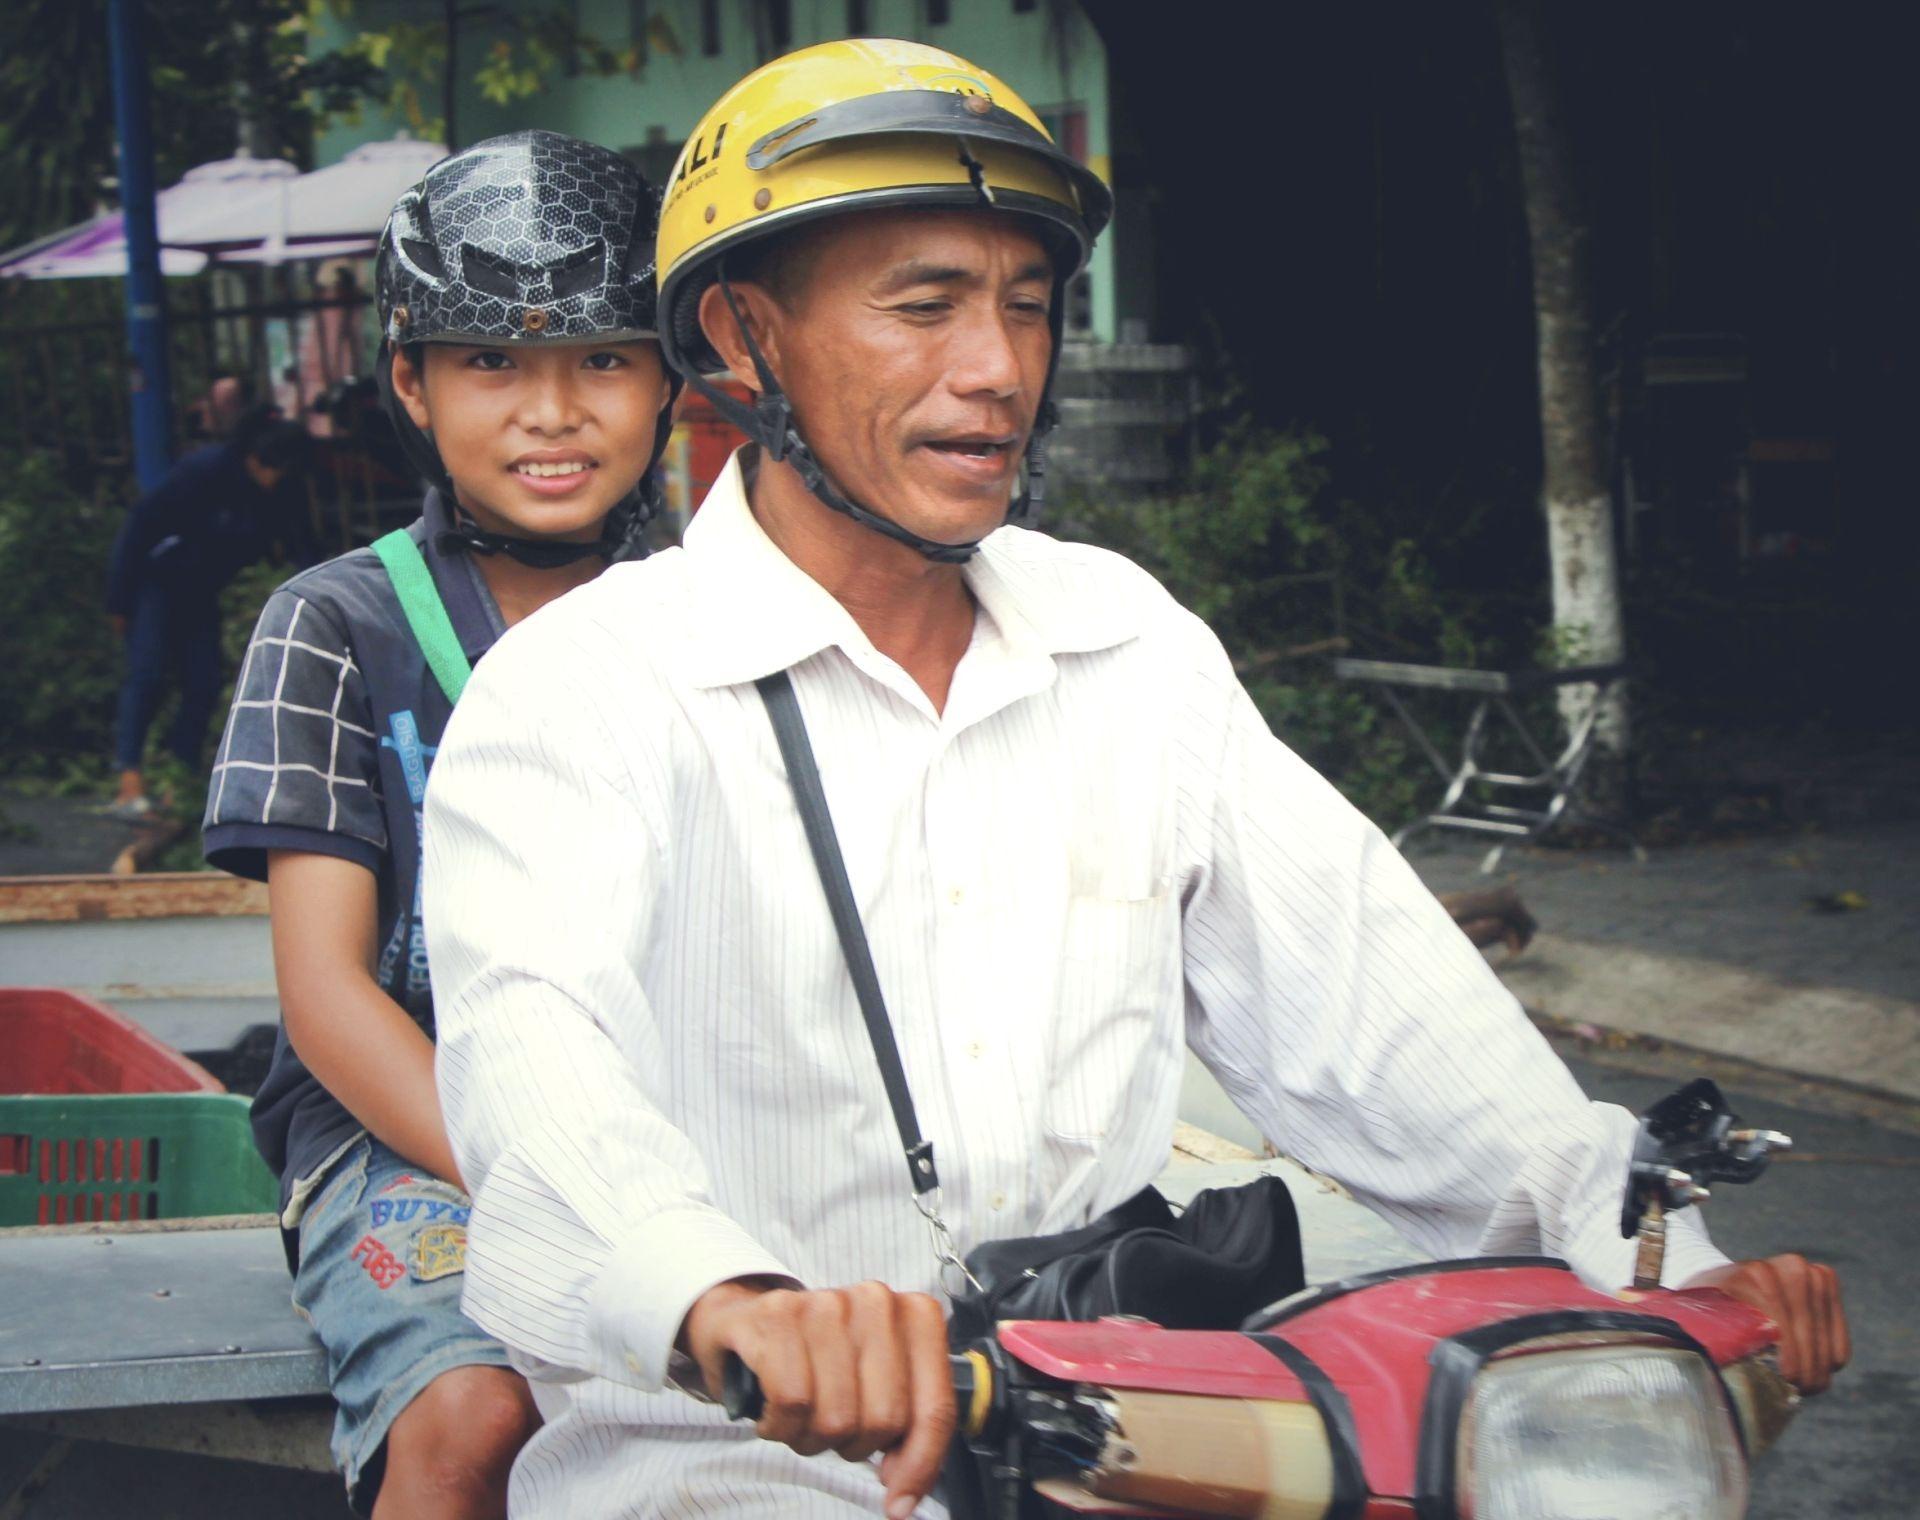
(347,201)
(98,247)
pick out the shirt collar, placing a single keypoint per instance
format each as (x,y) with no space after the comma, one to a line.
(760,612)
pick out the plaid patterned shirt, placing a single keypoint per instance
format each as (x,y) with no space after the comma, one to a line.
(335,723)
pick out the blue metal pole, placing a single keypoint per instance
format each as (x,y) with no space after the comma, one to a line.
(146,302)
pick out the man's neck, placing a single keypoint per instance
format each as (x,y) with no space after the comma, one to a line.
(916,612)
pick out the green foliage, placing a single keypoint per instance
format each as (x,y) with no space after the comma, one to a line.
(214,62)
(60,661)
(509,51)
(57,155)
(1290,573)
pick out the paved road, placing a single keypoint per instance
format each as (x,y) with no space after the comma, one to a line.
(1748,902)
(1850,1196)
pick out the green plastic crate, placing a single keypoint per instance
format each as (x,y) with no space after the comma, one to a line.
(70,1160)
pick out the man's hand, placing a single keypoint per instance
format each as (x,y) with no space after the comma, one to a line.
(1803,1299)
(851,1370)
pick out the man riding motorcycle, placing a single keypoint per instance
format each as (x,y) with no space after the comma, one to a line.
(1074,845)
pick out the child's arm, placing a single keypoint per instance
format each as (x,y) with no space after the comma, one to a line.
(360,1044)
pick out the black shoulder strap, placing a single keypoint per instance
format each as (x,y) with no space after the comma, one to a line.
(790,729)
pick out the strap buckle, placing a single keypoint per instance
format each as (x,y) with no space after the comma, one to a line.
(955,1279)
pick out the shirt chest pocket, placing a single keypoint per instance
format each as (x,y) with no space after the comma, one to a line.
(1118,1008)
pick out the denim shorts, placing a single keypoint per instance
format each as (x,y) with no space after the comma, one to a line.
(383,1254)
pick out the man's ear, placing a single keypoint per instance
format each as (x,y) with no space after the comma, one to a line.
(410,385)
(757,310)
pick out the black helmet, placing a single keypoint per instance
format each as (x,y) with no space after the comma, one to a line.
(534,237)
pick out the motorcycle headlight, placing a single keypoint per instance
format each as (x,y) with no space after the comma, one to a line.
(1619,1432)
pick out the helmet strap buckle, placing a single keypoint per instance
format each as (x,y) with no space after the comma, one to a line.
(775,415)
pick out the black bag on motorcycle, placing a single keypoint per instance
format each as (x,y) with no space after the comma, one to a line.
(1231,1252)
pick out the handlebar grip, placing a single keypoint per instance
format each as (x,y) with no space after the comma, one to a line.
(743,1398)
(740,1392)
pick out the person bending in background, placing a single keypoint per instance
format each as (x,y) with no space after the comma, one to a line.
(183,541)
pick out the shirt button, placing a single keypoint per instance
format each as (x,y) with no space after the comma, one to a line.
(955,896)
(998,1201)
(976,1050)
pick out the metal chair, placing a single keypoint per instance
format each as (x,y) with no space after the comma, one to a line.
(1495,690)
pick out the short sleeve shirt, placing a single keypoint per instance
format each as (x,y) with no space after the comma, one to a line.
(334,726)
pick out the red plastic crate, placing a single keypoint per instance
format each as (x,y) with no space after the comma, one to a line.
(52,1041)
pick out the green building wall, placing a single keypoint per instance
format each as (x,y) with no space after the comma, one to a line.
(1050,54)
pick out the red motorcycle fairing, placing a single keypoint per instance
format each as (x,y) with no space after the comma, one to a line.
(1373,1339)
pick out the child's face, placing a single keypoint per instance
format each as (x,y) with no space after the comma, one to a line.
(540,440)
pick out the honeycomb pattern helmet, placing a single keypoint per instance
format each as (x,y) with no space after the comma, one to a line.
(529,238)
(533,237)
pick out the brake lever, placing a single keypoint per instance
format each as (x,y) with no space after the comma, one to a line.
(740,1392)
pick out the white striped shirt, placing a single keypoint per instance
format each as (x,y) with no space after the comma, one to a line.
(653,1066)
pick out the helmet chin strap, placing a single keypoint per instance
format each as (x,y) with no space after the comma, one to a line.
(770,422)
(535,553)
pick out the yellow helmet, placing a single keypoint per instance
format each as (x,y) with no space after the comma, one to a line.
(857,126)
(850,126)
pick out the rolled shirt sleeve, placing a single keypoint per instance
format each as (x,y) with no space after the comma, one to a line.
(1348,1017)
(594,1229)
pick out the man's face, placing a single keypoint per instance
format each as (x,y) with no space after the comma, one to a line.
(542,440)
(914,350)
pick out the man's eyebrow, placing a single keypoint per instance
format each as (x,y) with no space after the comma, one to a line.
(919,272)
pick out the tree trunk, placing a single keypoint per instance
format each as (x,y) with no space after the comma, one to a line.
(1587,622)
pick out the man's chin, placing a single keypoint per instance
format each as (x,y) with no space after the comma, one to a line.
(955,523)
(947,513)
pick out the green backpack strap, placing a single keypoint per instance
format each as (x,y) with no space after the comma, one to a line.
(426,613)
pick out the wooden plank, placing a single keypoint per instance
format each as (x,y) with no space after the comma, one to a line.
(159,894)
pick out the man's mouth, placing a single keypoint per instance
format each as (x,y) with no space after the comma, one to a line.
(977,447)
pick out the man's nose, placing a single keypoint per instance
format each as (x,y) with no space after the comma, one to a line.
(987,359)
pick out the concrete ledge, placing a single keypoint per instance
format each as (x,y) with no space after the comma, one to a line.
(1857,1038)
(160,894)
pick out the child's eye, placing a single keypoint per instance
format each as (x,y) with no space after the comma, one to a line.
(605,360)
(490,360)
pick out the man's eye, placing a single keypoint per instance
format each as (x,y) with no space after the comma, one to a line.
(605,361)
(1030,308)
(490,359)
(928,308)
